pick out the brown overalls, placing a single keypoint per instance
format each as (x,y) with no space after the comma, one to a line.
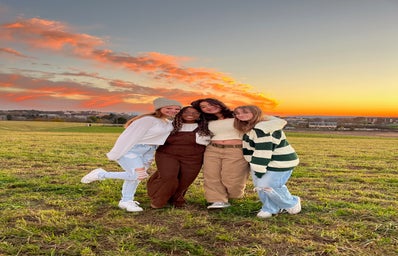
(178,163)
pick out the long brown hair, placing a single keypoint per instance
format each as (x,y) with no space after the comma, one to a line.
(245,126)
(156,113)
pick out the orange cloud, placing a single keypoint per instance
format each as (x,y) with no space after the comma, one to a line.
(58,37)
(21,89)
(13,52)
(48,34)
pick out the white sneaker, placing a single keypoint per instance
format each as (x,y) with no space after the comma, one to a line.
(295,209)
(130,206)
(93,176)
(218,205)
(264,214)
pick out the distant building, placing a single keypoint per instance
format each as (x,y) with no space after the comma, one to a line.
(322,125)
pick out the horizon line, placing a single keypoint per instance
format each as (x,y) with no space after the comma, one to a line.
(304,115)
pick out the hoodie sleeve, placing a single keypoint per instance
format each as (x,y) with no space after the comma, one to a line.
(129,137)
(261,151)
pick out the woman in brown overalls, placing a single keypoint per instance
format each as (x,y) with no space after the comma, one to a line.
(179,160)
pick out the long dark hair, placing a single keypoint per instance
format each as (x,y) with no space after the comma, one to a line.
(202,123)
(225,111)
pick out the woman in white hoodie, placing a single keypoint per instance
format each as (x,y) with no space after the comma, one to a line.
(135,148)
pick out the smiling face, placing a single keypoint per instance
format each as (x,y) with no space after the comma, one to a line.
(208,108)
(243,114)
(190,115)
(170,111)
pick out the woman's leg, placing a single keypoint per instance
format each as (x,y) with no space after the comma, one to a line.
(163,183)
(273,191)
(130,162)
(189,170)
(234,172)
(214,189)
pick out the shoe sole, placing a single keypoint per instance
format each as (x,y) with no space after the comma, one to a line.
(217,207)
(125,208)
(264,217)
(134,211)
(86,180)
(299,202)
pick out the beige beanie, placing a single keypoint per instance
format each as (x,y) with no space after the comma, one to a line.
(163,102)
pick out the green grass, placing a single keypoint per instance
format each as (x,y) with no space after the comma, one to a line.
(348,185)
(36,126)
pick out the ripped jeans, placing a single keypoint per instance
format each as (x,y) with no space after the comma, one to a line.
(139,156)
(272,191)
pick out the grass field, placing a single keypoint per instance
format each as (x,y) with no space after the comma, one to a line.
(348,185)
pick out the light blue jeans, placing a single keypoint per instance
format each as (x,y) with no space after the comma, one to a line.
(272,191)
(139,156)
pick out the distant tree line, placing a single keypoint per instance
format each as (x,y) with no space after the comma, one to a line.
(67,116)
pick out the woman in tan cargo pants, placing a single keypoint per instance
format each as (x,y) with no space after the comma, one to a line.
(225,171)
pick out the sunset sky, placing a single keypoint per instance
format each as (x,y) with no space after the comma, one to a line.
(306,57)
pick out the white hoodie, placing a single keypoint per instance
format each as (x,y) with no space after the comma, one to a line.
(147,130)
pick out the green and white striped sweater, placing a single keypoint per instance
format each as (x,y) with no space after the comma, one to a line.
(268,150)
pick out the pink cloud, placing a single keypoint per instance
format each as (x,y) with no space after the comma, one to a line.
(21,89)
(13,52)
(59,37)
(48,34)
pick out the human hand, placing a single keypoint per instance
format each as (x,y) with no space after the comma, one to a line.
(141,175)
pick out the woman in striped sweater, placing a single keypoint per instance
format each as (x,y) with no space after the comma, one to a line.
(271,160)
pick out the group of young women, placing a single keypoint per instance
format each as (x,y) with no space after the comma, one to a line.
(227,145)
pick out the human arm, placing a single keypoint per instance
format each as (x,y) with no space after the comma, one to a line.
(261,146)
(202,140)
(130,136)
(262,152)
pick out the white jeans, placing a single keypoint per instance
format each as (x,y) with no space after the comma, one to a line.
(139,156)
(273,192)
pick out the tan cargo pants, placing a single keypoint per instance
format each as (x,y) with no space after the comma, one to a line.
(225,173)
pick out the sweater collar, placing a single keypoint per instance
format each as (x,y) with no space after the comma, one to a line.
(271,125)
